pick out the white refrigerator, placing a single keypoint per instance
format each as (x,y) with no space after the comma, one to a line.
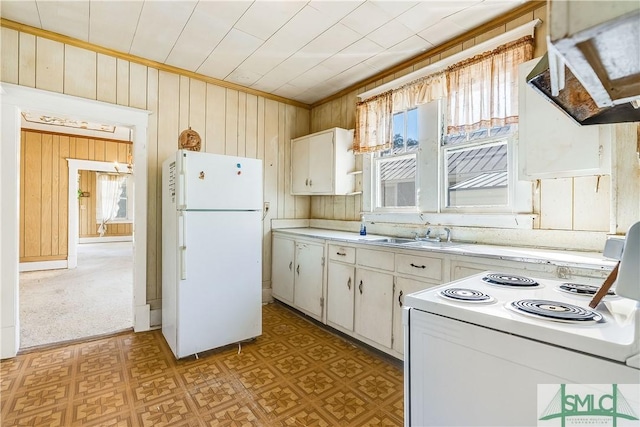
(211,251)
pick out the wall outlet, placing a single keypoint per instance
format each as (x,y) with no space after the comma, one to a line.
(266,206)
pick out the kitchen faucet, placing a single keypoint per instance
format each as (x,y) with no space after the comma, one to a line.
(448,234)
(427,237)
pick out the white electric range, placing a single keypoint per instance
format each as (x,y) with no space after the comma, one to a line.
(478,347)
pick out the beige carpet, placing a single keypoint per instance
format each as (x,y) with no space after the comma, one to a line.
(93,299)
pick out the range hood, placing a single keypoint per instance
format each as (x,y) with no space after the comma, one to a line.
(592,67)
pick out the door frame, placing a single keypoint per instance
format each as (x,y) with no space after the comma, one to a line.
(14,100)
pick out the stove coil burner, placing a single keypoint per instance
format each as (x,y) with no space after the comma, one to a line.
(556,311)
(503,279)
(466,295)
(580,289)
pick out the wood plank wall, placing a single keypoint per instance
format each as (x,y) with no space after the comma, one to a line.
(560,203)
(44,183)
(88,226)
(229,122)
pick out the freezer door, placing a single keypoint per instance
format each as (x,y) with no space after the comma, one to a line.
(219,289)
(209,181)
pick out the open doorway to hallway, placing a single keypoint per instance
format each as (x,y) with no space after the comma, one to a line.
(69,304)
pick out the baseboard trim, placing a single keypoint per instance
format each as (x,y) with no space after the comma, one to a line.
(105,239)
(43,265)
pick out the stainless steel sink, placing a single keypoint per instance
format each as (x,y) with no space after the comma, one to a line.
(431,244)
(392,240)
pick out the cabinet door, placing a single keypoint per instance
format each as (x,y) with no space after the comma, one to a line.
(403,287)
(321,163)
(282,269)
(307,295)
(340,286)
(300,166)
(373,307)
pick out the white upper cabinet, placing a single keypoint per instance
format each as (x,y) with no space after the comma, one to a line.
(551,144)
(322,163)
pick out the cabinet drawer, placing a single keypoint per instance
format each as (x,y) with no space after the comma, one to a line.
(430,268)
(342,253)
(375,259)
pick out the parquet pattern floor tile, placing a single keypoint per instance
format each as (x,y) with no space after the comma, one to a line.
(295,374)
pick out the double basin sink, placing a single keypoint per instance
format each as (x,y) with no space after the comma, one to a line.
(413,243)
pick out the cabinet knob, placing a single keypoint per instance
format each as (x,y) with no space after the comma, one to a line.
(349,283)
(400,299)
(360,286)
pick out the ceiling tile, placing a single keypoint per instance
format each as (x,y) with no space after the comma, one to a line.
(426,14)
(229,54)
(113,24)
(391,33)
(312,77)
(395,8)
(23,11)
(441,32)
(483,12)
(254,20)
(70,18)
(206,28)
(331,41)
(243,77)
(336,10)
(290,91)
(159,27)
(354,54)
(410,47)
(366,18)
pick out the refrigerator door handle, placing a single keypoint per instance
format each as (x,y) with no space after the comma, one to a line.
(182,189)
(182,245)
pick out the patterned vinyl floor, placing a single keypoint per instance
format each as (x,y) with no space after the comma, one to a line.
(295,374)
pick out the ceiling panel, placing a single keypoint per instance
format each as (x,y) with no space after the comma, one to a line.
(65,17)
(206,28)
(229,54)
(159,27)
(304,49)
(23,11)
(278,12)
(113,24)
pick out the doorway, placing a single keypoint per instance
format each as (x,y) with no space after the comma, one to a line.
(16,99)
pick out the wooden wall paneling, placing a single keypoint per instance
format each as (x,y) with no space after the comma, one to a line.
(27,57)
(350,208)
(271,141)
(92,148)
(626,177)
(251,127)
(110,151)
(9,46)
(198,108)
(154,192)
(55,190)
(123,153)
(122,82)
(63,195)
(183,116)
(591,203)
(556,204)
(340,207)
(231,123)
(80,72)
(50,57)
(261,143)
(82,203)
(242,123)
(301,128)
(288,123)
(168,118)
(33,195)
(540,32)
(350,110)
(106,87)
(215,123)
(98,150)
(82,148)
(22,193)
(280,206)
(45,186)
(138,86)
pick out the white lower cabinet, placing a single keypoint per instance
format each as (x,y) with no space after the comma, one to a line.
(340,295)
(403,287)
(297,275)
(373,308)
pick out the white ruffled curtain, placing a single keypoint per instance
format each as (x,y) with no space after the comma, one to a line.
(482,91)
(374,121)
(109,198)
(420,91)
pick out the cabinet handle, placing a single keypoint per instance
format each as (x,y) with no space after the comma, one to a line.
(400,299)
(341,253)
(360,286)
(298,269)
(417,266)
(310,183)
(306,182)
(349,283)
(290,265)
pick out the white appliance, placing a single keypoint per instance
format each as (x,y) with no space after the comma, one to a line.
(211,251)
(477,350)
